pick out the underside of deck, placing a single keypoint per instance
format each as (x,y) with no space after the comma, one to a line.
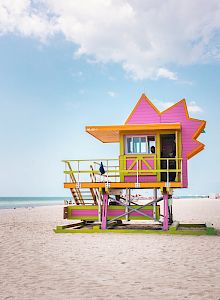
(123,185)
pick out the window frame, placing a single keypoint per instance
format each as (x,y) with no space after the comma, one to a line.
(146,143)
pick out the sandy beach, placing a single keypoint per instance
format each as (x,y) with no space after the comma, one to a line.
(36,263)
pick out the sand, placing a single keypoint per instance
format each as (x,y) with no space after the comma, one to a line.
(36,263)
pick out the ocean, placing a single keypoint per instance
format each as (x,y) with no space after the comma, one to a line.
(16,202)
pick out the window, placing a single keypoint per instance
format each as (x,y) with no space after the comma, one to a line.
(140,144)
(151,143)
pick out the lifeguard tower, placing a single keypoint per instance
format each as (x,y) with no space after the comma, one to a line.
(154,149)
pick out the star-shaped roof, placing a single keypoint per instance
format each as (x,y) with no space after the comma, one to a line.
(146,113)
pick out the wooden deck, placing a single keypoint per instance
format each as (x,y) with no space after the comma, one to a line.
(122,185)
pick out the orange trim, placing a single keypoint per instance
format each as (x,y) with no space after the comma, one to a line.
(111,134)
(175,104)
(196,151)
(200,146)
(104,141)
(121,185)
(134,127)
(200,129)
(141,98)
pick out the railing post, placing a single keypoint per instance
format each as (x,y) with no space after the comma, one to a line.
(65,173)
(107,169)
(126,208)
(115,173)
(181,170)
(154,204)
(166,213)
(158,167)
(78,171)
(167,171)
(104,211)
(99,211)
(137,171)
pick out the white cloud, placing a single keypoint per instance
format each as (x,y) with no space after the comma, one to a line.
(146,37)
(166,74)
(112,94)
(162,105)
(21,16)
(192,106)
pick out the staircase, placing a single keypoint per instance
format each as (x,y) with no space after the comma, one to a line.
(84,196)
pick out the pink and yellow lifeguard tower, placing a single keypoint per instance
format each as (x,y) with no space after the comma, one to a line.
(154,149)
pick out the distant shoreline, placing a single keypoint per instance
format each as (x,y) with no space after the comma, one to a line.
(31,202)
(26,202)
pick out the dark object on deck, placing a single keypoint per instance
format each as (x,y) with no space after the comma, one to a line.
(101,169)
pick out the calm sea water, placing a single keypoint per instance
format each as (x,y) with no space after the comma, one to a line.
(16,202)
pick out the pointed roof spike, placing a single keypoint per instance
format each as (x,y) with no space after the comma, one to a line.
(144,112)
(194,126)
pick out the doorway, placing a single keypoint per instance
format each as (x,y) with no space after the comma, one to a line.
(168,151)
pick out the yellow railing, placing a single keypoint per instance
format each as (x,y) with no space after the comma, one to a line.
(115,169)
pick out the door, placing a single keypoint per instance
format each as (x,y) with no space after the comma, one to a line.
(168,151)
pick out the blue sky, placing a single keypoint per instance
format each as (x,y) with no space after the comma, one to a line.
(58,77)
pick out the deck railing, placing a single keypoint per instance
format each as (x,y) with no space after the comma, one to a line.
(84,170)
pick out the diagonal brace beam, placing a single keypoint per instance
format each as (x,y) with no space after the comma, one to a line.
(130,211)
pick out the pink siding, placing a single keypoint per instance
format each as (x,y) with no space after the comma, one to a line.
(118,212)
(188,129)
(185,173)
(111,212)
(128,164)
(141,178)
(150,161)
(144,114)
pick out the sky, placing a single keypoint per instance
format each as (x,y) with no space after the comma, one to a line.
(67,64)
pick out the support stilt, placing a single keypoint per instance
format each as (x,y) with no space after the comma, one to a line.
(99,211)
(170,208)
(104,211)
(166,212)
(154,203)
(127,202)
